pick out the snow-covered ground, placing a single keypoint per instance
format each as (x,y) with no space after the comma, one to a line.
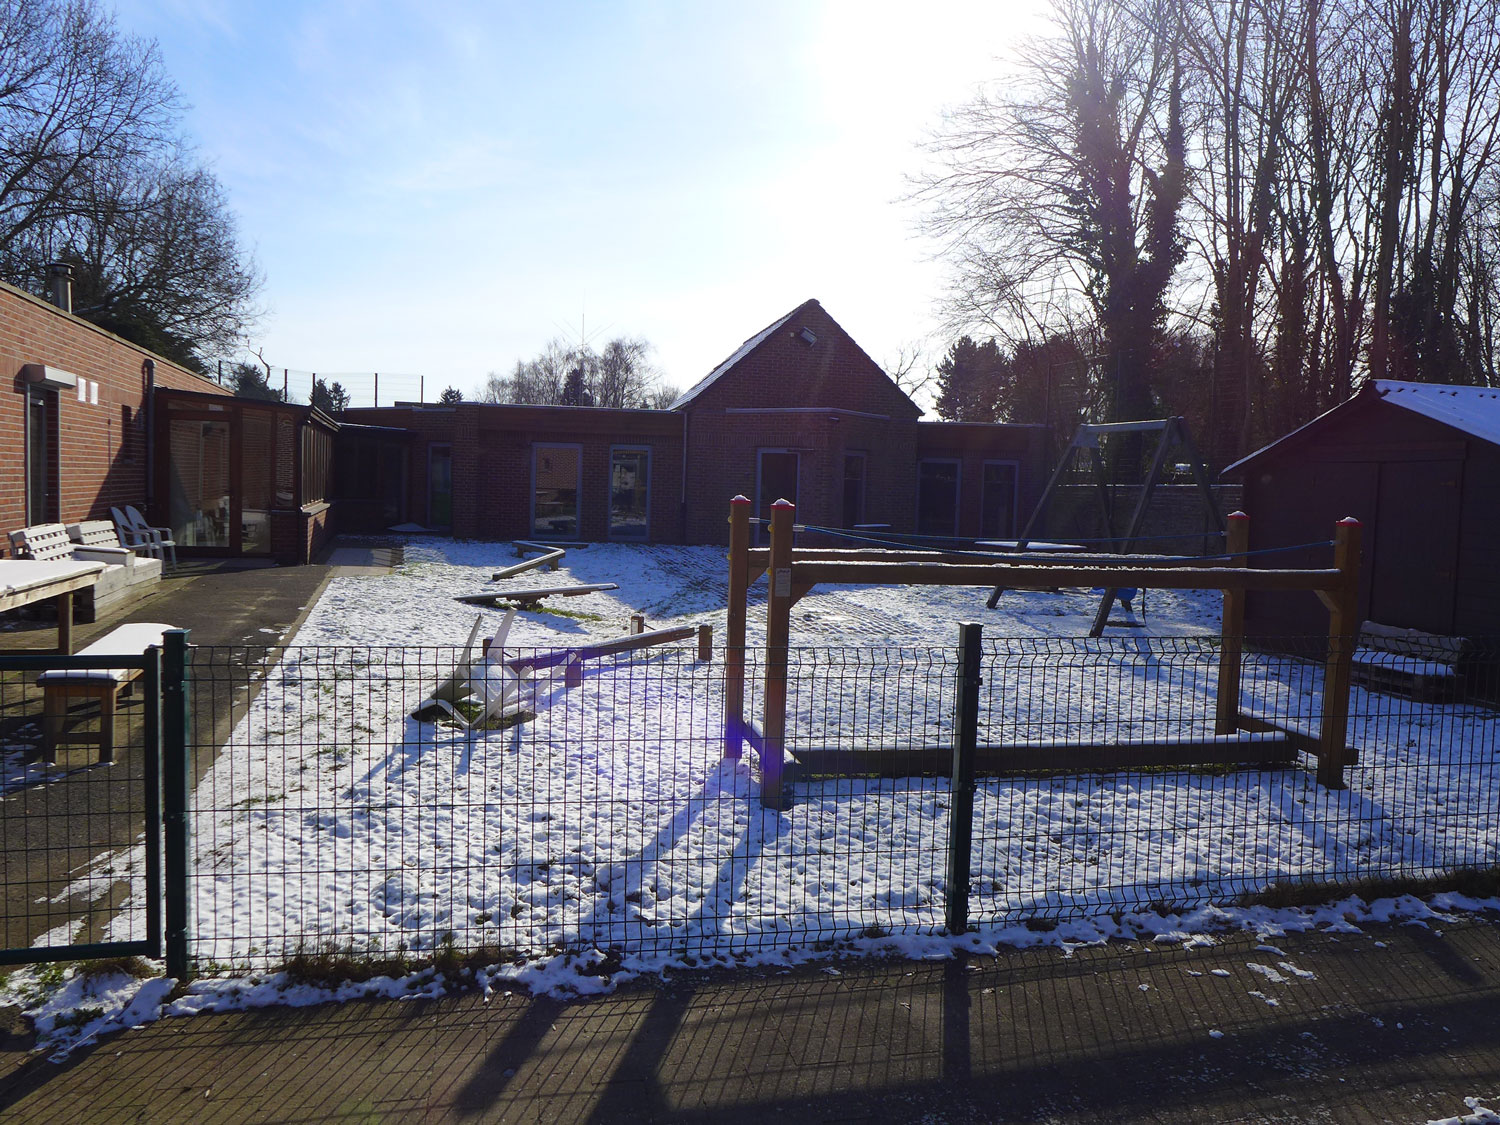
(612,820)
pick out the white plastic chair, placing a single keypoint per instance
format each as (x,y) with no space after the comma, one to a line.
(160,536)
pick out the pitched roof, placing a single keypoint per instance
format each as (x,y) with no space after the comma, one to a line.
(1473,410)
(740,353)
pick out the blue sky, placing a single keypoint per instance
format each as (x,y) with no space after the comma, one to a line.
(439,188)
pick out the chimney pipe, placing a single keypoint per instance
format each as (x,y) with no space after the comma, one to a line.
(60,281)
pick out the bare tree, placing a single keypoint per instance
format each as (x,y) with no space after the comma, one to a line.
(96,173)
(1065,189)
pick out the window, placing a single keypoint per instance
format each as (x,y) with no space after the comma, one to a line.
(554,499)
(257,470)
(439,486)
(937,497)
(998,516)
(317,459)
(854,489)
(629,493)
(198,483)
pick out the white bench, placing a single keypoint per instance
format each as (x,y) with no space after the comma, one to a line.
(62,685)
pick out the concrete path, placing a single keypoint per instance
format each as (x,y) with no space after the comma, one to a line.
(1398,1024)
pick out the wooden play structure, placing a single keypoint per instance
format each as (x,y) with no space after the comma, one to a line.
(1238,738)
(1171,434)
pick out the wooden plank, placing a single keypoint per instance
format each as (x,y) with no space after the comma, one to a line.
(627,643)
(490,597)
(1272,749)
(1037,574)
(551,560)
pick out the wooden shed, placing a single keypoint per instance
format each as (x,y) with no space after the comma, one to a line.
(1419,465)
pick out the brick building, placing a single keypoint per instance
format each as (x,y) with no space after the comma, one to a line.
(797,411)
(78,425)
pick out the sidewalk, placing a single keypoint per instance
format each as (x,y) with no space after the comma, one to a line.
(1396,1024)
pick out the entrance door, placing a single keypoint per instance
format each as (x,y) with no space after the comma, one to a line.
(41,494)
(775,479)
(440,486)
(998,518)
(1414,551)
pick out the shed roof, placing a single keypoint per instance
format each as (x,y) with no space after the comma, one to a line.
(1471,410)
(740,353)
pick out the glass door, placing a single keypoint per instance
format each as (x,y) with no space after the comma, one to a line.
(198,483)
(440,486)
(629,504)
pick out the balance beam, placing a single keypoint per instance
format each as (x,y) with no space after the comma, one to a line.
(531,597)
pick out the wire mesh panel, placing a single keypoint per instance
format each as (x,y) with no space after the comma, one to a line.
(336,807)
(80,858)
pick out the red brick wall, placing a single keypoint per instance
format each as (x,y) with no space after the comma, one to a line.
(972,444)
(810,398)
(492,462)
(102,463)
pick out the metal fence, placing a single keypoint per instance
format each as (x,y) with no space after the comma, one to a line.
(304,811)
(325,818)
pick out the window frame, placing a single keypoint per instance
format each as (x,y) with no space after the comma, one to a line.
(627,447)
(958,492)
(578,490)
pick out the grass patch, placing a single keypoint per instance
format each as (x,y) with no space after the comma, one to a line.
(575,614)
(330,965)
(102,967)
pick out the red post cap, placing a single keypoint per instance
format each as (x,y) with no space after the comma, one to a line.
(1349,521)
(1238,516)
(783,503)
(739,500)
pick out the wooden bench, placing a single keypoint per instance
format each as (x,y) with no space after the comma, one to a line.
(1423,667)
(106,685)
(126,577)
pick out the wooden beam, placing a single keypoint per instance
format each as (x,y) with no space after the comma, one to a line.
(551,560)
(1270,749)
(1171,578)
(1343,625)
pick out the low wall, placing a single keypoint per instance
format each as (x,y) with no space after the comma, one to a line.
(1176,520)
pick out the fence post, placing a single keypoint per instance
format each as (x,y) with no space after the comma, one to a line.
(176,730)
(734,630)
(961,803)
(1343,607)
(705,642)
(1232,641)
(151,754)
(778,637)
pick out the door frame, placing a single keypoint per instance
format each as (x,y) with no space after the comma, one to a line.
(762,532)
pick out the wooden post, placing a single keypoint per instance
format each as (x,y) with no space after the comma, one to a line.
(637,623)
(1343,608)
(64,623)
(734,630)
(778,636)
(705,642)
(1232,643)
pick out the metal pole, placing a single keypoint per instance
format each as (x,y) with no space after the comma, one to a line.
(176,731)
(734,631)
(961,805)
(151,755)
(778,637)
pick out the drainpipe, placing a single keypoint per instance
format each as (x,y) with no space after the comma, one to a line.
(150,369)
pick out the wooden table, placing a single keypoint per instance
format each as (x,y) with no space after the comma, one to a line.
(23,581)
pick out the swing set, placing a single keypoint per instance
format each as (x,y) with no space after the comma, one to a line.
(1238,738)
